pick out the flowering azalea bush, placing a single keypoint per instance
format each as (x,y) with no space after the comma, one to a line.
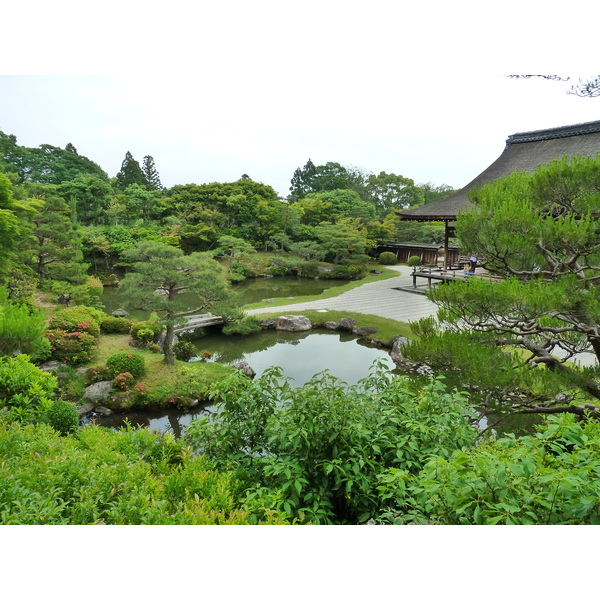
(123,381)
(77,319)
(73,334)
(101,373)
(141,390)
(72,348)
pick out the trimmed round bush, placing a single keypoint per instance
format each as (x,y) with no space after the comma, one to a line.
(126,363)
(414,261)
(63,417)
(115,325)
(387,258)
(184,350)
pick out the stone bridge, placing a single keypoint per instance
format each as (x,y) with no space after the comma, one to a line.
(197,321)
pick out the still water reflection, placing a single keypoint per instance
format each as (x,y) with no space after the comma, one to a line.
(300,355)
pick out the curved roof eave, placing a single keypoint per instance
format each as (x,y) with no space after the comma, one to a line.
(523,152)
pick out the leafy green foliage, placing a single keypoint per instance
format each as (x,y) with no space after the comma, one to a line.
(21,330)
(318,452)
(414,261)
(24,389)
(184,350)
(116,325)
(122,362)
(49,164)
(99,476)
(63,417)
(246,326)
(550,478)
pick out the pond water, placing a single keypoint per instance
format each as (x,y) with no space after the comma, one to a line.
(249,291)
(300,355)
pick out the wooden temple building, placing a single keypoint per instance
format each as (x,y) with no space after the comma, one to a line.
(523,152)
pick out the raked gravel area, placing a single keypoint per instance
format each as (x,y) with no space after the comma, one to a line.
(376,298)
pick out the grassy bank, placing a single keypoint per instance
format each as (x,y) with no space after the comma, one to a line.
(387,328)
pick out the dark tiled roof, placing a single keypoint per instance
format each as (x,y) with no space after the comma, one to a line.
(523,152)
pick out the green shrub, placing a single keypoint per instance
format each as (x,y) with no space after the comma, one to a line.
(321,450)
(387,258)
(115,325)
(73,348)
(414,261)
(155,348)
(81,319)
(99,476)
(63,417)
(184,350)
(153,323)
(21,329)
(244,327)
(26,390)
(145,335)
(126,363)
(351,270)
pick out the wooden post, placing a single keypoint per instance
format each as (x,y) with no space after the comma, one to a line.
(446,236)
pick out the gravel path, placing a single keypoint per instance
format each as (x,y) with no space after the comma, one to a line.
(376,298)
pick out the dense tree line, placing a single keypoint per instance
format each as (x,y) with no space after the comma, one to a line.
(64,218)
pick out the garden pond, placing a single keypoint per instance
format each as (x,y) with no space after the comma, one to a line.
(300,355)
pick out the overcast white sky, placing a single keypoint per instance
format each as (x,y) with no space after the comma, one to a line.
(213,90)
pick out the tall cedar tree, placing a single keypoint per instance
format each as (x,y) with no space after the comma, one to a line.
(130,173)
(151,174)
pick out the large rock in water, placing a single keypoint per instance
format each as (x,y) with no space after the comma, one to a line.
(398,343)
(293,323)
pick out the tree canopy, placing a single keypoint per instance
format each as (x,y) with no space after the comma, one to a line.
(160,273)
(540,233)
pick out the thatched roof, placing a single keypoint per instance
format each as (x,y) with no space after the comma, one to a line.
(523,152)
